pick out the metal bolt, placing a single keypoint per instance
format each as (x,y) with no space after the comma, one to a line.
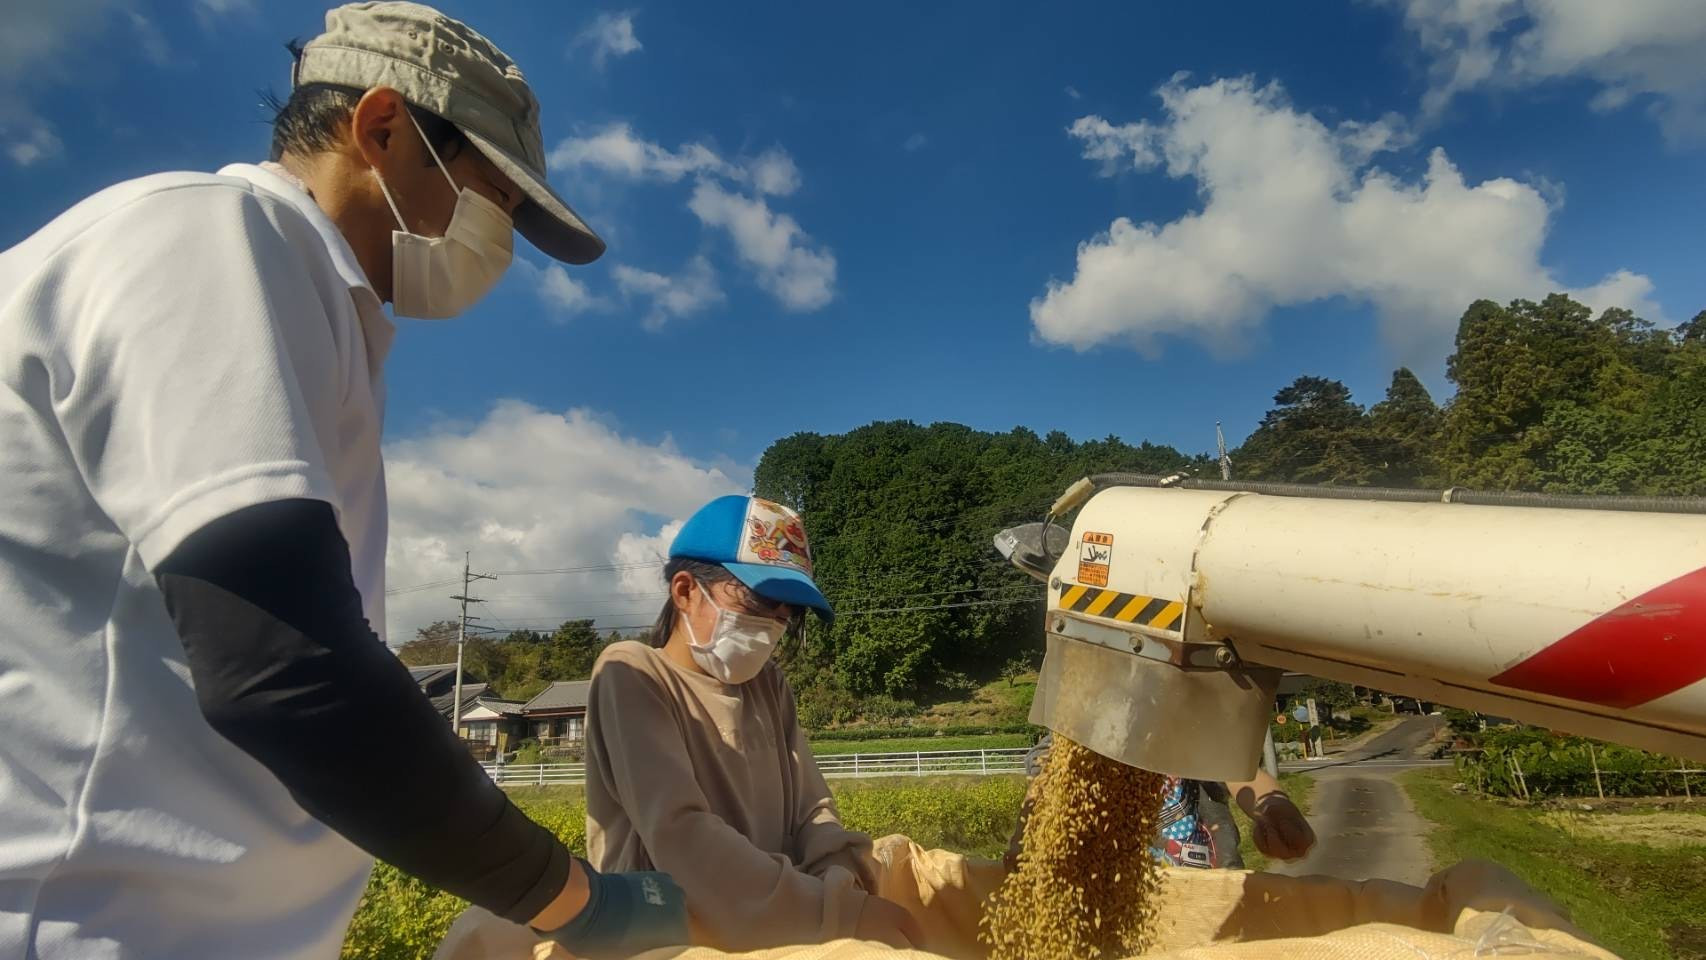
(1225,657)
(1054,584)
(1060,625)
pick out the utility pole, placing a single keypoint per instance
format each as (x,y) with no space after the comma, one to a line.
(462,639)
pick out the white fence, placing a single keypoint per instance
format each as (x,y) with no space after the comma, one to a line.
(536,774)
(923,763)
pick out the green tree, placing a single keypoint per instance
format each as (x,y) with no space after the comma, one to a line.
(1550,397)
(1692,330)
(1406,428)
(571,651)
(1314,434)
(434,643)
(902,518)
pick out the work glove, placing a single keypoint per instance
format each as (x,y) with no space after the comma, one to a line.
(1282,832)
(625,914)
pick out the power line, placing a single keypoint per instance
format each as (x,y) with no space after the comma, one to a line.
(416,588)
(590,568)
(566,616)
(935,593)
(939,606)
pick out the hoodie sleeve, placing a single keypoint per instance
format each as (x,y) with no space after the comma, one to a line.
(740,897)
(822,843)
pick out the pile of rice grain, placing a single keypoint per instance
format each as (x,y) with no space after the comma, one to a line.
(1085,884)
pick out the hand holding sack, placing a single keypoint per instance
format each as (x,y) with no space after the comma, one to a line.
(625,914)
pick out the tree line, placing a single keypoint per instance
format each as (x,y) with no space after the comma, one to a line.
(1548,397)
(518,665)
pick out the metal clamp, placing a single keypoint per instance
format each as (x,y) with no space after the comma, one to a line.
(1207,655)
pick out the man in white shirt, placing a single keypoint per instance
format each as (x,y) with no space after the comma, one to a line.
(205,743)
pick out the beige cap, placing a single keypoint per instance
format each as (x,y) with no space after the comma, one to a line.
(440,65)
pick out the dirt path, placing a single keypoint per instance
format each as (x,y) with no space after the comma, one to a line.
(1365,823)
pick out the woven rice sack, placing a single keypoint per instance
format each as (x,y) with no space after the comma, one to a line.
(1473,909)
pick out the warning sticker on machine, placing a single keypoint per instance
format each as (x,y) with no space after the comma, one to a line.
(1095,552)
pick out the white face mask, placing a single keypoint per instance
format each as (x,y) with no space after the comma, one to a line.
(433,278)
(740,644)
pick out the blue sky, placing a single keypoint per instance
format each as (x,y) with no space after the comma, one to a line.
(819,216)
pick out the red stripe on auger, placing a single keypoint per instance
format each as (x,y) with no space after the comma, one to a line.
(1650,646)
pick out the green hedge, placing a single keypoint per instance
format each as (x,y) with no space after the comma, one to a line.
(402,918)
(973,816)
(1560,766)
(903,733)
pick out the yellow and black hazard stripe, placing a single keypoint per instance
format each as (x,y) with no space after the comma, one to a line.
(1135,608)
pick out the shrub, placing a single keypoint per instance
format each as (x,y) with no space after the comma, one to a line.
(1465,724)
(974,816)
(1553,765)
(882,708)
(822,705)
(914,732)
(401,918)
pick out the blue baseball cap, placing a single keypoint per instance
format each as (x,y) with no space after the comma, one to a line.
(761,542)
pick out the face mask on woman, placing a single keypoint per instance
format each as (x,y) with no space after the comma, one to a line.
(739,646)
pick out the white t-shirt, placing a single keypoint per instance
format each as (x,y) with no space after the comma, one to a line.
(172,349)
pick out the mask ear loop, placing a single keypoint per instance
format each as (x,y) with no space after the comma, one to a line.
(404,227)
(428,144)
(687,621)
(401,223)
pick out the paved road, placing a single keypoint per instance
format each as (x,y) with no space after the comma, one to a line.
(1364,821)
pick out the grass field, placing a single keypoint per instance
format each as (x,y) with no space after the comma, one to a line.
(1644,900)
(1002,701)
(993,741)
(1299,787)
(403,919)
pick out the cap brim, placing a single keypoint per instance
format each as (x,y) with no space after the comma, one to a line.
(783,585)
(545,219)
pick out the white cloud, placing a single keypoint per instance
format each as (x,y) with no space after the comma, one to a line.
(150,39)
(223,7)
(35,50)
(691,291)
(784,258)
(1291,213)
(1073,93)
(616,150)
(636,552)
(1631,48)
(915,143)
(1116,148)
(31,142)
(566,295)
(773,172)
(528,489)
(609,35)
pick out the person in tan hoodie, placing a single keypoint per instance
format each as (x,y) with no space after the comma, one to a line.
(696,763)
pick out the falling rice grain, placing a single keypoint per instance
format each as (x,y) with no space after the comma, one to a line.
(1052,906)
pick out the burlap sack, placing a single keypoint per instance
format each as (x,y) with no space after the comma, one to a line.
(1473,909)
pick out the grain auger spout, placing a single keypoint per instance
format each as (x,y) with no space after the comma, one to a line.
(1175,604)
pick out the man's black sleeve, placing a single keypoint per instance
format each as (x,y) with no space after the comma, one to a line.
(286,667)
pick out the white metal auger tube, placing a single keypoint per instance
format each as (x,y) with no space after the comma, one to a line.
(1167,607)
